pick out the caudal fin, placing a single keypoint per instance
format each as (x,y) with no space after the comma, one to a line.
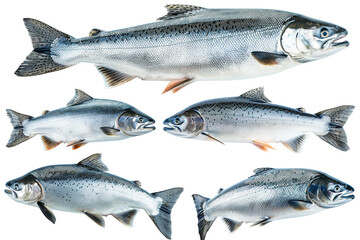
(338,117)
(203,225)
(17,120)
(163,219)
(39,60)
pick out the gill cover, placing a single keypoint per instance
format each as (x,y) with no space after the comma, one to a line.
(306,39)
(186,124)
(327,192)
(133,123)
(25,189)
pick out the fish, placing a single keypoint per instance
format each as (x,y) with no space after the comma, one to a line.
(87,188)
(272,194)
(252,118)
(83,120)
(188,44)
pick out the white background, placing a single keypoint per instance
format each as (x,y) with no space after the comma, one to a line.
(160,160)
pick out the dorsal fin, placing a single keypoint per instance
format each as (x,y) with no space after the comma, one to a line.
(79,98)
(45,112)
(93,162)
(179,11)
(137,183)
(301,109)
(260,170)
(95,32)
(256,94)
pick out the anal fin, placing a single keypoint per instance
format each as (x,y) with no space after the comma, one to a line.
(295,144)
(126,218)
(114,78)
(232,225)
(49,143)
(263,146)
(99,220)
(176,85)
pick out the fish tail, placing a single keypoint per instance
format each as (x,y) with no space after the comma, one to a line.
(338,117)
(162,220)
(40,61)
(17,120)
(203,225)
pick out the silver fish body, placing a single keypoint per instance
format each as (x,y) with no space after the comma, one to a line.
(84,120)
(190,43)
(86,188)
(272,194)
(252,118)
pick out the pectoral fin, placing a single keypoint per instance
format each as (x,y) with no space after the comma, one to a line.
(300,205)
(269,59)
(99,220)
(176,85)
(263,146)
(47,212)
(126,218)
(110,131)
(212,138)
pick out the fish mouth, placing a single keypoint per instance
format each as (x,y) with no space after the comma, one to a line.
(337,43)
(348,196)
(170,128)
(7,191)
(10,193)
(149,126)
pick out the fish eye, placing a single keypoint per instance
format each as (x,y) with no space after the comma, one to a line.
(337,188)
(141,120)
(16,187)
(177,120)
(324,33)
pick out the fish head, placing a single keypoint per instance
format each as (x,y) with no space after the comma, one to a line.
(328,192)
(25,189)
(187,124)
(133,122)
(306,39)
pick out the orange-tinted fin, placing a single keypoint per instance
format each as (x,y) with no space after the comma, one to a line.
(212,138)
(49,143)
(176,85)
(263,146)
(76,144)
